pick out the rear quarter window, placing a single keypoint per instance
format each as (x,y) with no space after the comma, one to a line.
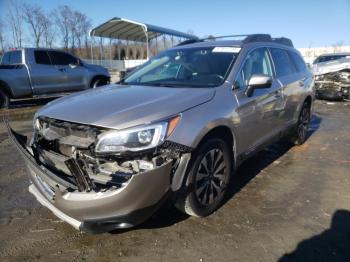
(12,57)
(283,64)
(298,61)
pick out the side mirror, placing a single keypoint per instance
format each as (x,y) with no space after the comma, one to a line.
(73,65)
(258,81)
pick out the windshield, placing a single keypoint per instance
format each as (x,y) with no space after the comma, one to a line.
(328,58)
(188,67)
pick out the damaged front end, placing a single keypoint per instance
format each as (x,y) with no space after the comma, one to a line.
(332,80)
(98,179)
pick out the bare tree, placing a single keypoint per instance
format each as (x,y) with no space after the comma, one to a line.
(2,36)
(15,21)
(82,25)
(63,20)
(35,18)
(49,31)
(337,47)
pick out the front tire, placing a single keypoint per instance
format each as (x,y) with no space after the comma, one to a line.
(207,180)
(97,82)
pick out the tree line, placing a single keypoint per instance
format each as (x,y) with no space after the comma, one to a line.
(29,25)
(26,24)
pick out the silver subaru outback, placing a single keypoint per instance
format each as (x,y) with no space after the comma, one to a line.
(178,126)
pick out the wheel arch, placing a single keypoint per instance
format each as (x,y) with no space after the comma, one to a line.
(102,77)
(221,131)
(6,88)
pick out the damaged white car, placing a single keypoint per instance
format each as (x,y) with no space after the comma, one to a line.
(332,76)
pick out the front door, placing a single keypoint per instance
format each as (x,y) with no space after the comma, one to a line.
(46,78)
(74,73)
(259,114)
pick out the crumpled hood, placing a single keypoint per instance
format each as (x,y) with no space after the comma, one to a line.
(119,107)
(331,66)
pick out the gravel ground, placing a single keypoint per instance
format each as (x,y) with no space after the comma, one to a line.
(286,203)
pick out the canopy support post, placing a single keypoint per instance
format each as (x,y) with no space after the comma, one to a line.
(91,44)
(147,41)
(110,52)
(101,50)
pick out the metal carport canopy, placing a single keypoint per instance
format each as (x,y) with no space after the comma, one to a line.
(125,29)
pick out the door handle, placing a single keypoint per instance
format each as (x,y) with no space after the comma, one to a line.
(62,69)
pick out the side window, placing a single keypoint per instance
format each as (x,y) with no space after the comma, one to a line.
(283,64)
(42,58)
(257,62)
(60,58)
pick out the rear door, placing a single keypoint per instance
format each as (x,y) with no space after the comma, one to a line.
(258,114)
(292,81)
(75,74)
(45,77)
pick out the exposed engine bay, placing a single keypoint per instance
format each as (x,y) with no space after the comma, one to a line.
(332,80)
(334,85)
(68,149)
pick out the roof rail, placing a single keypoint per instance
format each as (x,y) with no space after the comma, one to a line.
(257,38)
(189,41)
(247,39)
(283,41)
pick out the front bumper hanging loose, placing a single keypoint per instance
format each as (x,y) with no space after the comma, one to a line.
(95,211)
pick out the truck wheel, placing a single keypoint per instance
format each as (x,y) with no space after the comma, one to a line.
(4,100)
(208,179)
(98,82)
(299,132)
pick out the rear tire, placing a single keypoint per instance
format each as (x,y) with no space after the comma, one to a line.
(4,99)
(207,180)
(299,132)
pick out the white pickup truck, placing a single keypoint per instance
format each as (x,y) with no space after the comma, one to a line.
(35,72)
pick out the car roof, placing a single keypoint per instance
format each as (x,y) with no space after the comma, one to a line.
(336,54)
(231,43)
(238,41)
(38,49)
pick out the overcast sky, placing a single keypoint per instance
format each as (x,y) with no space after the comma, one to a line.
(307,22)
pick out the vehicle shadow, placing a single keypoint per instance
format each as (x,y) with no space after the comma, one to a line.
(29,102)
(332,244)
(168,215)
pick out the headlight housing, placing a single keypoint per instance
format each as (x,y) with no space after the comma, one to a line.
(135,139)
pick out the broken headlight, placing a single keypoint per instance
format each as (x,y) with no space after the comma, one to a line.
(135,139)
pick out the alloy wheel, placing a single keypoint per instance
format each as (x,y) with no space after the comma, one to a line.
(303,125)
(210,178)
